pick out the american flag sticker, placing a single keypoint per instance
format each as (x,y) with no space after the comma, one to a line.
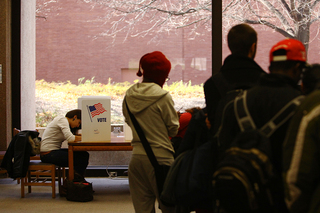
(95,109)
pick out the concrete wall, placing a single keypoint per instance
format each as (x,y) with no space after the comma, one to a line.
(17,60)
(28,63)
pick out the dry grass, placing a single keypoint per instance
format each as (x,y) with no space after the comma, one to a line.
(66,91)
(54,98)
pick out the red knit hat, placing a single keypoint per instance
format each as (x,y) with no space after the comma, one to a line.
(154,66)
(294,51)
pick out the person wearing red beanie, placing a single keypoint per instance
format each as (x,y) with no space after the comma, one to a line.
(154,67)
(154,110)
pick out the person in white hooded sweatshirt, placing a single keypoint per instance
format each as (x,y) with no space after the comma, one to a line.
(154,110)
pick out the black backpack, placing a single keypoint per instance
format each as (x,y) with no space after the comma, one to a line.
(228,91)
(244,176)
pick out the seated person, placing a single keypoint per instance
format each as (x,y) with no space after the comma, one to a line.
(58,131)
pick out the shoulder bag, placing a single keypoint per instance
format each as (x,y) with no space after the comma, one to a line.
(161,171)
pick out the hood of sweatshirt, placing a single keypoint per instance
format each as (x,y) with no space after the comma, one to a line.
(142,95)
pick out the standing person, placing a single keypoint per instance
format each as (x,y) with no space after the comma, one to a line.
(301,150)
(311,78)
(197,134)
(58,131)
(239,70)
(184,120)
(272,93)
(154,110)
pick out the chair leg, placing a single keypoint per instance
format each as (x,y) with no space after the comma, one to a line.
(53,181)
(29,180)
(63,174)
(22,180)
(59,178)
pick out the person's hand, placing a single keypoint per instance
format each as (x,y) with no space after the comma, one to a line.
(77,138)
(208,123)
(179,114)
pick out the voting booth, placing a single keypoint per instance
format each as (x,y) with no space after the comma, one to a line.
(95,118)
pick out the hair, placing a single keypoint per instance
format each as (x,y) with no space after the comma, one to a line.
(284,66)
(71,114)
(193,110)
(311,78)
(240,39)
(74,112)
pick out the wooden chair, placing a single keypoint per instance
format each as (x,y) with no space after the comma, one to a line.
(2,170)
(41,174)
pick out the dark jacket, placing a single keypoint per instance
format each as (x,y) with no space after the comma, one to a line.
(239,72)
(271,94)
(196,134)
(17,157)
(194,186)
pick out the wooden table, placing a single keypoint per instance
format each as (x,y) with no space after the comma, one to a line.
(116,144)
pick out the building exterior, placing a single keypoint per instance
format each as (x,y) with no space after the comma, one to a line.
(70,46)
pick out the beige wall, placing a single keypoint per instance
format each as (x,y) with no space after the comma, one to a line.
(5,85)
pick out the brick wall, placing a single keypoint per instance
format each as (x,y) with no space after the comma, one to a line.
(70,46)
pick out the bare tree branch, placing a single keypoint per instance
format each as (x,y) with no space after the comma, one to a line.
(291,18)
(277,29)
(284,3)
(279,15)
(314,4)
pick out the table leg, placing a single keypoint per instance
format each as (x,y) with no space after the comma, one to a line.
(70,159)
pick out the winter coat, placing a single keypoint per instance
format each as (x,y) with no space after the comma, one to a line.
(301,157)
(196,134)
(17,157)
(264,100)
(239,72)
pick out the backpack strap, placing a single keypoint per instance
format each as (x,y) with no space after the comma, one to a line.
(246,122)
(242,113)
(282,116)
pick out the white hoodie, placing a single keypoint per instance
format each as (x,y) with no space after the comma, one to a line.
(154,110)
